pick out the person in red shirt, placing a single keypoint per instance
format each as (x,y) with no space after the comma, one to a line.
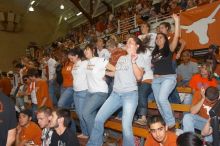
(159,134)
(199,111)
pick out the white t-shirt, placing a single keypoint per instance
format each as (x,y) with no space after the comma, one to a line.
(95,73)
(79,75)
(33,93)
(152,39)
(104,53)
(146,58)
(125,80)
(51,68)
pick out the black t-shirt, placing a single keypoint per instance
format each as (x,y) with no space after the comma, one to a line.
(8,119)
(162,62)
(68,138)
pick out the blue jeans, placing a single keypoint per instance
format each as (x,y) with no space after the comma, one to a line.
(144,90)
(128,101)
(66,98)
(80,97)
(192,122)
(162,87)
(174,97)
(93,103)
(52,87)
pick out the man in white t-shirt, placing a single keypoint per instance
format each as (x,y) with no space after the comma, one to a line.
(103,53)
(52,74)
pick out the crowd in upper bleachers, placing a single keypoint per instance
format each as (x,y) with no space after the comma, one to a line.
(103,77)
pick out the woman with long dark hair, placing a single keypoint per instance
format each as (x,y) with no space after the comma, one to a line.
(129,69)
(164,74)
(80,85)
(97,86)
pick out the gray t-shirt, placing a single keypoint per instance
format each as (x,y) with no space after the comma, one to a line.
(125,80)
(186,71)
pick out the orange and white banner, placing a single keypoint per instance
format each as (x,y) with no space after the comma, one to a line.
(200,26)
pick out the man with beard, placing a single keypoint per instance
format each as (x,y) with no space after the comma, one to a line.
(62,135)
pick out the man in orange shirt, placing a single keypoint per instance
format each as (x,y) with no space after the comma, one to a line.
(40,89)
(27,131)
(200,110)
(5,84)
(159,136)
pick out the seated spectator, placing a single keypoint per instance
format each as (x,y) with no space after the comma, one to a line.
(27,131)
(159,134)
(200,111)
(189,139)
(202,80)
(145,11)
(156,4)
(5,84)
(186,69)
(43,118)
(190,4)
(62,135)
(174,7)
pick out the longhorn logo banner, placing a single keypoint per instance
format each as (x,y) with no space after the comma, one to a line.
(200,26)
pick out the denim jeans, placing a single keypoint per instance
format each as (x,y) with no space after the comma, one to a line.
(174,97)
(66,98)
(144,90)
(187,99)
(93,103)
(194,121)
(52,87)
(162,87)
(128,101)
(80,97)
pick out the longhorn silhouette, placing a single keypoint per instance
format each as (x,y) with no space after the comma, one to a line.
(200,27)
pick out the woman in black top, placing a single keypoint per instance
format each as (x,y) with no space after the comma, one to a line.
(164,74)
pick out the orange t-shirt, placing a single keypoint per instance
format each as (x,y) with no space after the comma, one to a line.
(198,81)
(31,133)
(41,92)
(206,106)
(67,75)
(170,141)
(115,55)
(5,85)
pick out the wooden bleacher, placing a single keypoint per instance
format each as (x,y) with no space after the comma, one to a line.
(139,130)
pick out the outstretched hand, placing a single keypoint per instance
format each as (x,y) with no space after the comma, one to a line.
(175,17)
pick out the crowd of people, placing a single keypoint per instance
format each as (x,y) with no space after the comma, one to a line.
(143,9)
(107,78)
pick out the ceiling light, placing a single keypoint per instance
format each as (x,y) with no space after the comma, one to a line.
(78,13)
(32,2)
(31,9)
(61,6)
(65,18)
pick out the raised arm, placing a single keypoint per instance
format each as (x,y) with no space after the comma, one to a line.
(176,32)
